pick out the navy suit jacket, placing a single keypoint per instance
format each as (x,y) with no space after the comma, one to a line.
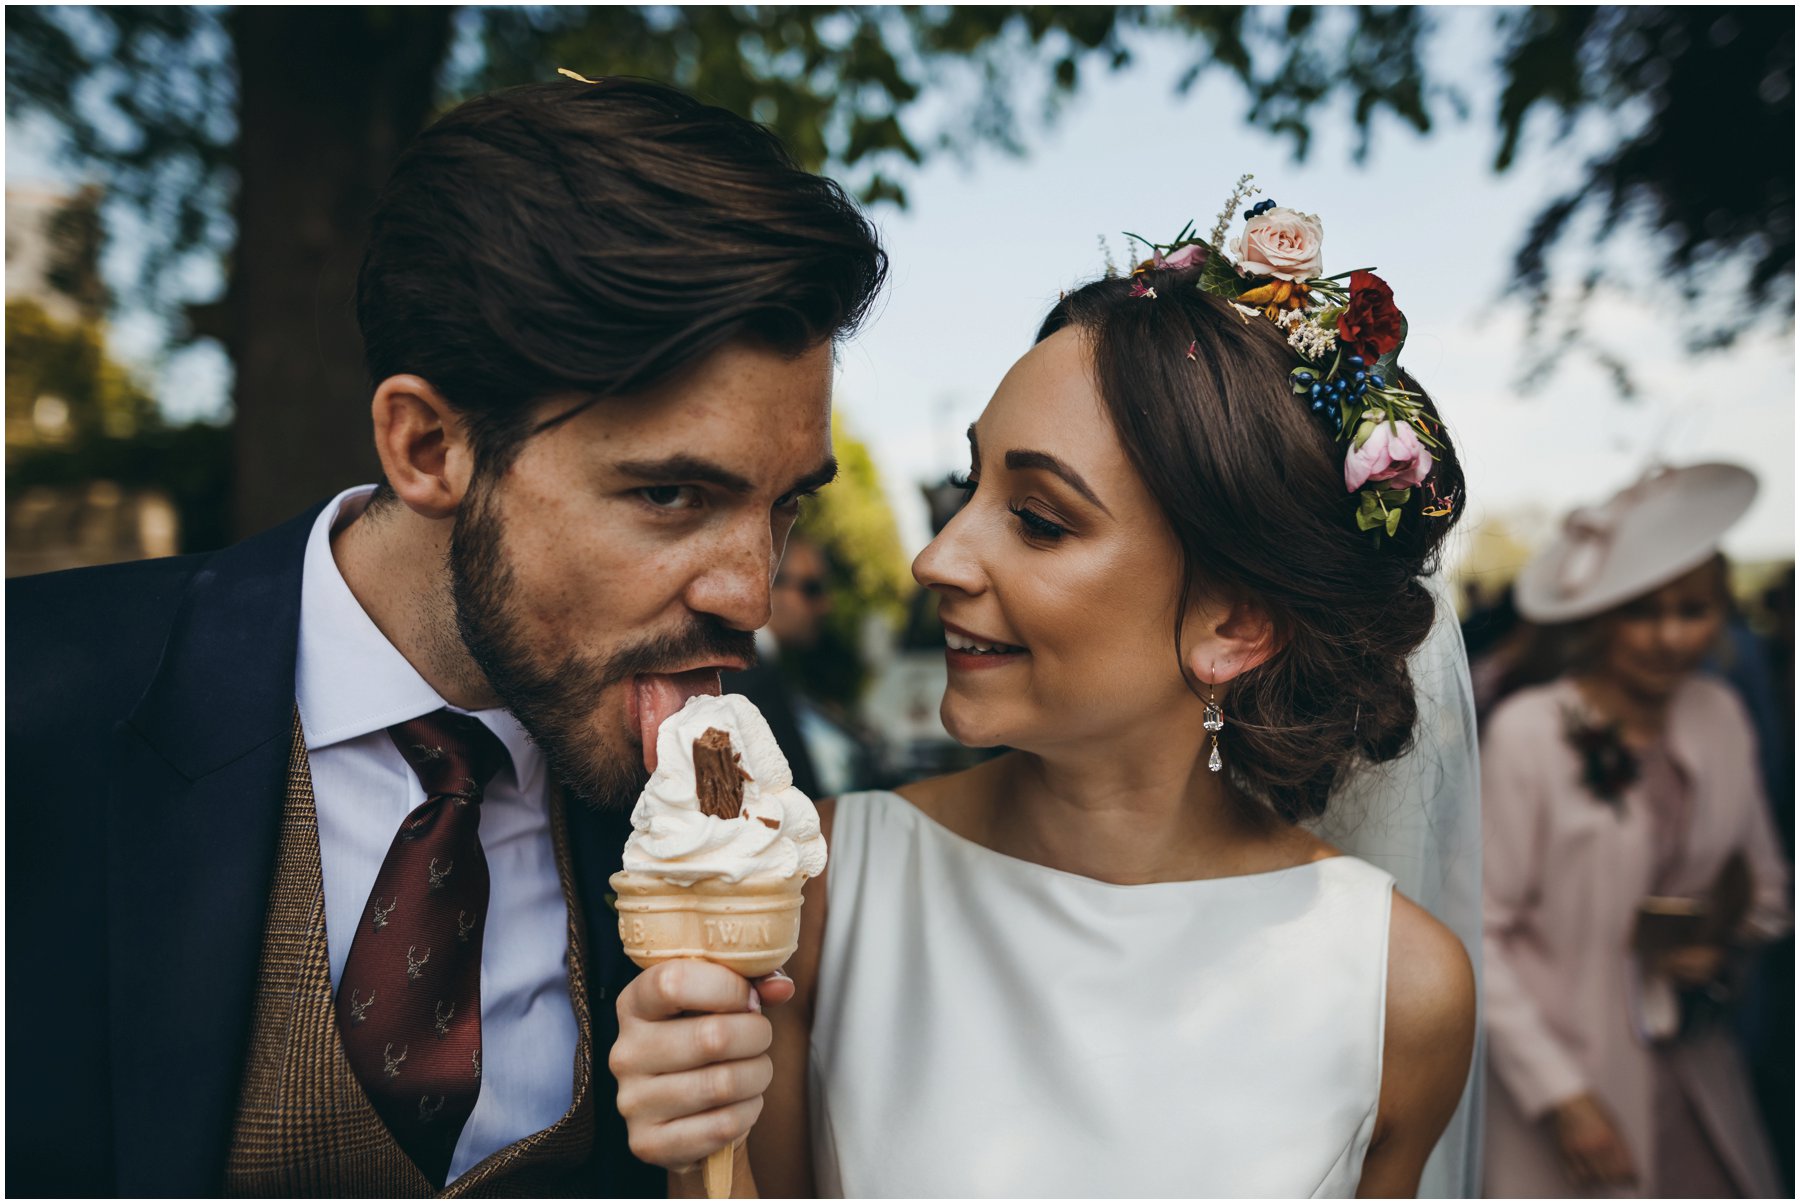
(149,718)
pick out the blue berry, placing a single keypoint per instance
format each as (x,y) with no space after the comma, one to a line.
(1355,361)
(1360,377)
(1377,381)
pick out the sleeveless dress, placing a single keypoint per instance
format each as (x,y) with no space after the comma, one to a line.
(987,1026)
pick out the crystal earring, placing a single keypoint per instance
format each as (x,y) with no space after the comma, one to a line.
(1214,722)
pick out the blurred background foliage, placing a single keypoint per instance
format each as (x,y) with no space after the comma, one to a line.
(870,573)
(251,142)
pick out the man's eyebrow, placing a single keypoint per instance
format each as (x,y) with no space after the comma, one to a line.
(1019,458)
(689,468)
(817,479)
(685,468)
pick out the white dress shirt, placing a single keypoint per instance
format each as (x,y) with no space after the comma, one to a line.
(351,684)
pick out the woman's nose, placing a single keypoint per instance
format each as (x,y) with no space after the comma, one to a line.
(947,563)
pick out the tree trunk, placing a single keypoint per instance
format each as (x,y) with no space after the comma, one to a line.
(328,97)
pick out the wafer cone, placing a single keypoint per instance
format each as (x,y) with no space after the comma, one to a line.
(751,927)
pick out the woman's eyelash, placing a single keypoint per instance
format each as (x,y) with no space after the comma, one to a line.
(963,481)
(1036,524)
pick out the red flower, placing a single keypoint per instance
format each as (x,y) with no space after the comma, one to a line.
(1370,326)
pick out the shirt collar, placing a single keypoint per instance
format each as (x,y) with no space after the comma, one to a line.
(349,680)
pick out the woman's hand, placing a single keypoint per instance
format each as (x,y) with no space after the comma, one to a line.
(1692,965)
(692,1059)
(1593,1153)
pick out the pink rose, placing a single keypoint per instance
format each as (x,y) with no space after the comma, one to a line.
(1190,256)
(1386,452)
(1283,243)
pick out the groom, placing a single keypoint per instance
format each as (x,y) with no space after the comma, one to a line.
(309,837)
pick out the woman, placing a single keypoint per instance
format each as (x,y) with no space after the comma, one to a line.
(1111,961)
(1627,786)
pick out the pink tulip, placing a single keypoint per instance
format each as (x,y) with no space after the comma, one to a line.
(1386,452)
(1190,256)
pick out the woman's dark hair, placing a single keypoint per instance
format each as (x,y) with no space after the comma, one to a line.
(598,239)
(1253,485)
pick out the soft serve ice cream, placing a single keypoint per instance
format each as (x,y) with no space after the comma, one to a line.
(675,837)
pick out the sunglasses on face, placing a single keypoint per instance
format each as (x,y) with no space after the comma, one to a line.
(810,588)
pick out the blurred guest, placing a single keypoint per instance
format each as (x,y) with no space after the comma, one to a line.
(827,756)
(1629,858)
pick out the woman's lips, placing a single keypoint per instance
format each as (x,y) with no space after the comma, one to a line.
(964,649)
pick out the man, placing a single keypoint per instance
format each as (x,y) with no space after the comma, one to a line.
(827,759)
(311,836)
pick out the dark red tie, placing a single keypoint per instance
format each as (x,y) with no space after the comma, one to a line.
(409,1002)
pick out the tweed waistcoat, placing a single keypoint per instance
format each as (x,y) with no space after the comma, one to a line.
(304,1125)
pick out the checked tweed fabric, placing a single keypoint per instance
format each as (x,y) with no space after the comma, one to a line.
(304,1125)
(409,1002)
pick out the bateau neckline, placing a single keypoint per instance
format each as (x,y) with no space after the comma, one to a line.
(961,841)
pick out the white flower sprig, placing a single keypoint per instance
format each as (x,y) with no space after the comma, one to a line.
(1240,193)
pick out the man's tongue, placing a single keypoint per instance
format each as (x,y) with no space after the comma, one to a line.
(660,695)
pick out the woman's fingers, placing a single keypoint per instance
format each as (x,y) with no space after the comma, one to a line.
(684,985)
(658,1099)
(684,1142)
(672,1046)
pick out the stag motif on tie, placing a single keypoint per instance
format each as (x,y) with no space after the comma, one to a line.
(428,752)
(427,1114)
(391,1064)
(411,828)
(471,790)
(437,875)
(443,1015)
(359,1012)
(475,1058)
(379,914)
(415,965)
(464,927)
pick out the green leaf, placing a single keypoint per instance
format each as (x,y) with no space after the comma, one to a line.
(1218,277)
(1369,511)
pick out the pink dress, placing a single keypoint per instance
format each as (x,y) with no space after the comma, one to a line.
(1563,876)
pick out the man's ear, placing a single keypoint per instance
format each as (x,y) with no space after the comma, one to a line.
(1227,638)
(423,444)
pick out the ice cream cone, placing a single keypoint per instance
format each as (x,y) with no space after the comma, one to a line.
(721,845)
(752,927)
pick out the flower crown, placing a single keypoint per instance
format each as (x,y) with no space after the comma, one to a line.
(1347,335)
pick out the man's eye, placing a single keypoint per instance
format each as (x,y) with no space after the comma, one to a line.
(793,503)
(671,497)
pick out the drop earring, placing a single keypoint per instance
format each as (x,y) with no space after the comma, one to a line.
(1214,722)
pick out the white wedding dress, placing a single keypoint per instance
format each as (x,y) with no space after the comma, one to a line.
(987,1026)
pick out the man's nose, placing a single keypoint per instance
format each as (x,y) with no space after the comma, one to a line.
(734,584)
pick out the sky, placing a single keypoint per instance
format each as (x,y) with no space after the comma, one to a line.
(982,252)
(985,246)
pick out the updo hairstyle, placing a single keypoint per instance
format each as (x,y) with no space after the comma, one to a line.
(1253,486)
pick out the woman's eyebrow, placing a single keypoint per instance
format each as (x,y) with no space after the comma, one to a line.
(1019,458)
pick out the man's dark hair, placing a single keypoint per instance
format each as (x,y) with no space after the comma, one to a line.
(598,239)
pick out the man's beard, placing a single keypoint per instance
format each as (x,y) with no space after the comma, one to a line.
(555,703)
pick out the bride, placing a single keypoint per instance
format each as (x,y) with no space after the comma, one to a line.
(1117,960)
